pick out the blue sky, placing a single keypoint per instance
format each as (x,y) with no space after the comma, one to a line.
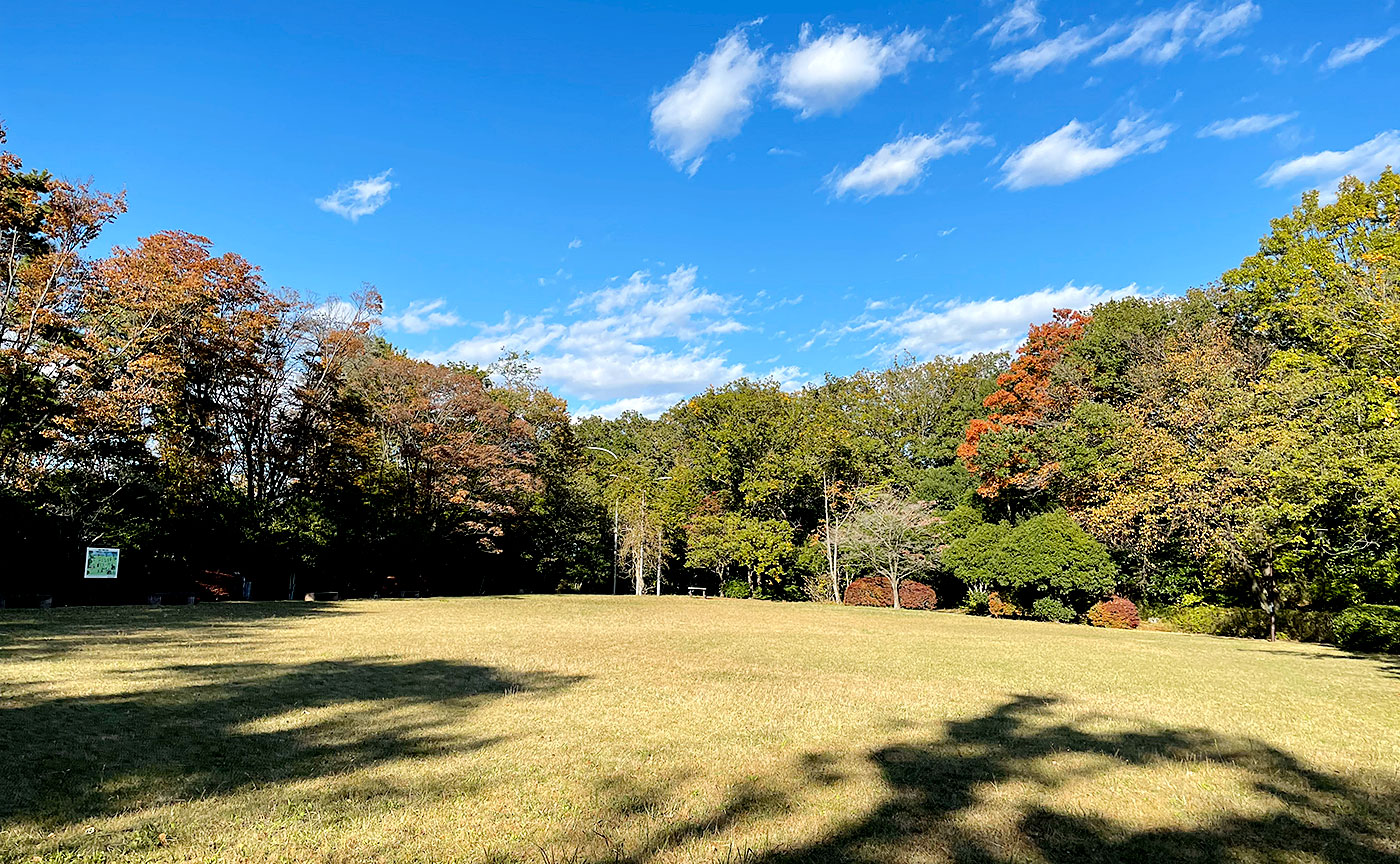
(654,200)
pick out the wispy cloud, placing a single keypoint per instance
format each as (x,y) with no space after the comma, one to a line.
(1357,49)
(961,327)
(1058,51)
(1020,21)
(1156,38)
(710,102)
(1229,21)
(829,73)
(641,343)
(899,165)
(1076,150)
(1327,168)
(421,316)
(1238,127)
(358,198)
(575,243)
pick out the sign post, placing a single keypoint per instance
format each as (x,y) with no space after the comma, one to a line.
(101,563)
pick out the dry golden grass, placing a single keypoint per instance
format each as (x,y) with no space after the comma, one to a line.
(555,729)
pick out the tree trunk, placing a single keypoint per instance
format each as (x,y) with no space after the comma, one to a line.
(830,541)
(1267,587)
(1273,596)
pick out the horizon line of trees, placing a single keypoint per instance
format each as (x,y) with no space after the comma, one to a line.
(1238,444)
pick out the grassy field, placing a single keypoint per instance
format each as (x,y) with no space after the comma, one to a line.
(552,729)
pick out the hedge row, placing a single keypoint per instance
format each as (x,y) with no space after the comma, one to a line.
(1248,623)
(1369,628)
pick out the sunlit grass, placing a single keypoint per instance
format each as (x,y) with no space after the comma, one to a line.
(671,729)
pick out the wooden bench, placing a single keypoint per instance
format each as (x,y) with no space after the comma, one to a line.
(696,591)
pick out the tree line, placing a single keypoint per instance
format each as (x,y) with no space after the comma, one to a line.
(1238,444)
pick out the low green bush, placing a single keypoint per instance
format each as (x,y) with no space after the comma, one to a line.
(976,603)
(1300,626)
(736,588)
(1369,628)
(1050,609)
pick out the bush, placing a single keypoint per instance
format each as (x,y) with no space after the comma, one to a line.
(999,608)
(1050,555)
(1369,628)
(736,588)
(976,603)
(916,595)
(1293,624)
(1116,612)
(1050,609)
(875,591)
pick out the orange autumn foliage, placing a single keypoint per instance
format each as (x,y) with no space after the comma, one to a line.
(1025,398)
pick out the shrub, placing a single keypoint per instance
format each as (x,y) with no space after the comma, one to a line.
(1303,626)
(969,554)
(1050,609)
(1369,628)
(999,608)
(916,595)
(736,588)
(1116,612)
(976,603)
(1213,620)
(875,591)
(1050,555)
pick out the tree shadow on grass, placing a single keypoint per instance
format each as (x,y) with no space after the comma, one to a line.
(227,727)
(46,634)
(1293,813)
(1388,664)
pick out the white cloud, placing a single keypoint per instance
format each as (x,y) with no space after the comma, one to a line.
(708,103)
(651,406)
(961,327)
(359,198)
(946,231)
(1052,52)
(642,343)
(420,317)
(575,243)
(1076,150)
(1156,37)
(782,151)
(1021,21)
(899,165)
(1327,168)
(1237,127)
(1357,49)
(831,72)
(1221,25)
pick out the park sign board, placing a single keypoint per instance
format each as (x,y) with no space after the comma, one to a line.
(101,563)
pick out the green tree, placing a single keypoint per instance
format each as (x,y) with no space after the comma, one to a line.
(1050,555)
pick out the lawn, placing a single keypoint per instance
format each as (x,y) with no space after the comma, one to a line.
(553,729)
